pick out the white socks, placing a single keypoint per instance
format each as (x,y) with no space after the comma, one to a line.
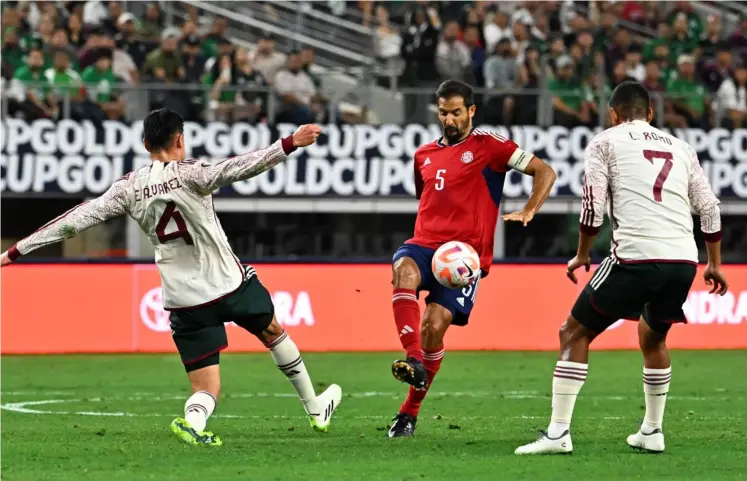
(287,357)
(198,409)
(655,388)
(567,381)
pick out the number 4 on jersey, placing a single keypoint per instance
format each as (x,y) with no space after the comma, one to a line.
(181,231)
(659,184)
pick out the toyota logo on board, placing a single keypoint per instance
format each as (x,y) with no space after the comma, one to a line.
(152,313)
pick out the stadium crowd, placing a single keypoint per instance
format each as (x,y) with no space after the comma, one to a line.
(95,53)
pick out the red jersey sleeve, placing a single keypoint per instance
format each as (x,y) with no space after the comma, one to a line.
(418,177)
(503,153)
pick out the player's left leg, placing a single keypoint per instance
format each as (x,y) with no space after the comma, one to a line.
(663,310)
(614,292)
(253,310)
(436,321)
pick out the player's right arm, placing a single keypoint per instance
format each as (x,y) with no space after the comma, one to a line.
(705,203)
(204,177)
(596,182)
(113,203)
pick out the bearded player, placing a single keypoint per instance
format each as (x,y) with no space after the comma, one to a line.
(459,181)
(204,285)
(651,182)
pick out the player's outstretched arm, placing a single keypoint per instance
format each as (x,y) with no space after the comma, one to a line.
(205,177)
(112,203)
(705,204)
(544,178)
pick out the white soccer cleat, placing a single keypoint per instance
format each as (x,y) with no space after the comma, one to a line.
(327,401)
(652,443)
(546,445)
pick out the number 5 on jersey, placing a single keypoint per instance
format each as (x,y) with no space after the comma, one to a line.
(440,179)
(181,231)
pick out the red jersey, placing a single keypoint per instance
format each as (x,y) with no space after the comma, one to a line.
(460,187)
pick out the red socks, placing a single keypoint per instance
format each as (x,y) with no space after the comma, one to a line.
(407,319)
(432,362)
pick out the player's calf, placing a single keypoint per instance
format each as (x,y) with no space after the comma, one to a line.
(405,305)
(657,374)
(288,358)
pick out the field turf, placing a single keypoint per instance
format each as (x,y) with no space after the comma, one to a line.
(106,418)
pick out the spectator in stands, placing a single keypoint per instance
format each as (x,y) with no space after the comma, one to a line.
(597,94)
(215,36)
(45,29)
(189,28)
(152,25)
(662,57)
(715,71)
(619,49)
(387,45)
(519,40)
(223,47)
(619,74)
(738,39)
(634,63)
(529,79)
(688,95)
(194,73)
(127,40)
(477,53)
(682,42)
(222,100)
(567,92)
(27,89)
(540,31)
(165,64)
(100,84)
(75,31)
(653,79)
(110,24)
(266,59)
(732,98)
(606,32)
(251,99)
(557,50)
(296,91)
(64,82)
(693,22)
(419,52)
(501,73)
(496,30)
(307,64)
(453,58)
(59,42)
(712,38)
(12,54)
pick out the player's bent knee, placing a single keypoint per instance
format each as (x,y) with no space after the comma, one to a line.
(271,333)
(406,274)
(573,331)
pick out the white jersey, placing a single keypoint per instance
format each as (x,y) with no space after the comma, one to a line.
(651,182)
(172,202)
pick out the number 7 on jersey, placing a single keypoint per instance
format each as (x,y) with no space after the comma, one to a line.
(664,173)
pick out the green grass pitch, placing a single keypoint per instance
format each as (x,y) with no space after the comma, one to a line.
(107,417)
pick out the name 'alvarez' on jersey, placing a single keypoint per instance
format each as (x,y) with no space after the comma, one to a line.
(652,182)
(172,202)
(460,188)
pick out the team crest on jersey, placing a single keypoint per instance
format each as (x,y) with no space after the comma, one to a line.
(467,157)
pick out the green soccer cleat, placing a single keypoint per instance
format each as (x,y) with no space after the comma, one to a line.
(184,431)
(328,401)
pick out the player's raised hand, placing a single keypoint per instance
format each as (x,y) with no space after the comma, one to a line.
(5,259)
(574,264)
(306,135)
(524,216)
(716,279)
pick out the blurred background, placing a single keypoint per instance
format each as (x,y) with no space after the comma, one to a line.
(78,77)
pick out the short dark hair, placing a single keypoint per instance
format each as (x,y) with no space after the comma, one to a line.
(453,88)
(160,127)
(630,100)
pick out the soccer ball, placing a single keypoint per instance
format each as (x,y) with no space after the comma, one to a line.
(455,265)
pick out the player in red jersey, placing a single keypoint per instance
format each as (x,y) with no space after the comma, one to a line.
(459,181)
